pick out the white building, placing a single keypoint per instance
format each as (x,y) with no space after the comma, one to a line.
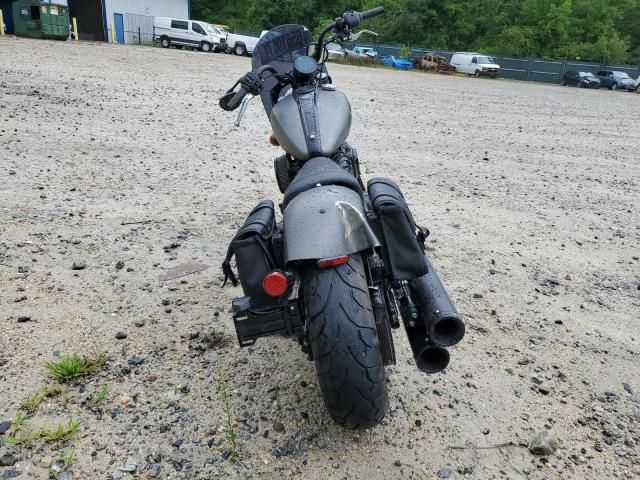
(124,21)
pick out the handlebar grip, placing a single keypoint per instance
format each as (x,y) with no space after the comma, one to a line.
(374,12)
(236,100)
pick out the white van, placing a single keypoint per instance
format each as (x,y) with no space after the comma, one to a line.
(187,33)
(475,64)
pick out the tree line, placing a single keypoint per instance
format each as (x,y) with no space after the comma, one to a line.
(591,30)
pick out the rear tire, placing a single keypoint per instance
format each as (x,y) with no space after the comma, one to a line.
(240,50)
(614,87)
(165,42)
(344,341)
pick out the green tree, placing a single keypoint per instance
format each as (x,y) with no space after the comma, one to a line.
(596,30)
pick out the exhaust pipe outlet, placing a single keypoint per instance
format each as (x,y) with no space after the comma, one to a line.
(432,359)
(429,358)
(441,320)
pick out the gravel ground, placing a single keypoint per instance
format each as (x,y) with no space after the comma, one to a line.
(118,157)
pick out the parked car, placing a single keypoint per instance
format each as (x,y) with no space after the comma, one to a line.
(186,33)
(475,64)
(336,51)
(240,44)
(580,79)
(433,61)
(614,80)
(362,52)
(400,63)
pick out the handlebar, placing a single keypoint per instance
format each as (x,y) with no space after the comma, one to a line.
(235,101)
(252,81)
(374,12)
(344,24)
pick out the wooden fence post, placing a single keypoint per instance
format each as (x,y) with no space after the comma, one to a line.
(2,23)
(75,29)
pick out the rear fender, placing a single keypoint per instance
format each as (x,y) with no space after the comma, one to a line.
(326,222)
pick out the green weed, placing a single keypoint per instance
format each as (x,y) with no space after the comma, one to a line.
(61,432)
(222,390)
(74,366)
(17,423)
(25,435)
(97,398)
(33,401)
(63,463)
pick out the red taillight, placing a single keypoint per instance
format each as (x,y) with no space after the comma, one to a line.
(332,262)
(273,141)
(275,283)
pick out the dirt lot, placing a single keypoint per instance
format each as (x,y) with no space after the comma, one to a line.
(119,157)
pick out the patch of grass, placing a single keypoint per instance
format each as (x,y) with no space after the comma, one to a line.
(17,423)
(61,432)
(20,434)
(74,366)
(33,401)
(25,435)
(64,462)
(222,390)
(97,398)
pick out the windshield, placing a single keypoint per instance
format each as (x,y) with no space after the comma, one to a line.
(585,74)
(279,48)
(620,75)
(212,29)
(333,46)
(485,60)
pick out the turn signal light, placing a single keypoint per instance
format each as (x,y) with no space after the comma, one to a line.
(332,262)
(275,283)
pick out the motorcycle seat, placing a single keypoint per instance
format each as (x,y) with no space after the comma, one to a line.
(319,171)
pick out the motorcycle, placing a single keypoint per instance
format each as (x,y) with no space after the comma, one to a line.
(346,263)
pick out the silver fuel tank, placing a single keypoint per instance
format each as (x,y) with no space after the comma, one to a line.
(312,123)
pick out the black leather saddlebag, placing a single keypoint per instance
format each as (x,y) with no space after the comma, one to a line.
(254,251)
(403,239)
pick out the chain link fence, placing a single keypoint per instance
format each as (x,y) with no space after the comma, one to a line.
(531,69)
(138,29)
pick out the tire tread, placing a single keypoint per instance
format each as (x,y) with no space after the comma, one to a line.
(345,345)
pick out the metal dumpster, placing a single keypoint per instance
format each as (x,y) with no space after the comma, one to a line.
(41,19)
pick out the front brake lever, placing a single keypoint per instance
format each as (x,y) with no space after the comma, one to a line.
(356,36)
(243,108)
